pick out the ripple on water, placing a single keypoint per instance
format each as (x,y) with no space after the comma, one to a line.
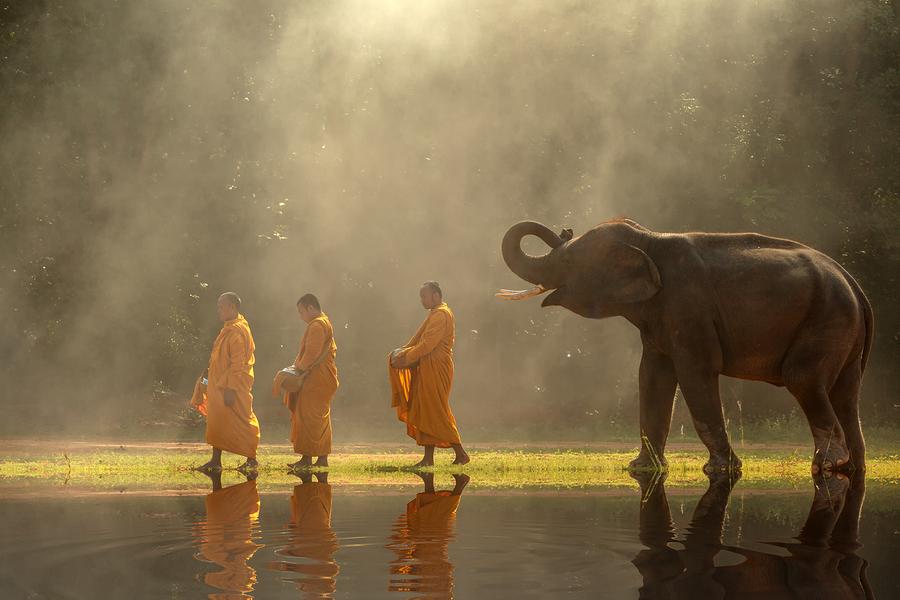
(315,543)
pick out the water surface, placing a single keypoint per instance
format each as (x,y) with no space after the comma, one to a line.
(445,539)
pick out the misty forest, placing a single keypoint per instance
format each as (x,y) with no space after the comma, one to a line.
(157,154)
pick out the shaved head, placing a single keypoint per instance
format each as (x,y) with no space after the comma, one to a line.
(228,306)
(430,294)
(309,300)
(232,298)
(308,307)
(434,286)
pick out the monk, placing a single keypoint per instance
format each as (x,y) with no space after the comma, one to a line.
(226,536)
(421,539)
(421,374)
(311,412)
(311,538)
(227,401)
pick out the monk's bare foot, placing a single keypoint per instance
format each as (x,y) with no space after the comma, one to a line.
(427,478)
(462,458)
(249,466)
(305,475)
(423,463)
(305,462)
(322,461)
(215,477)
(461,480)
(210,467)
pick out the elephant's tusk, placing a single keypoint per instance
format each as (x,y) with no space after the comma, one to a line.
(520,294)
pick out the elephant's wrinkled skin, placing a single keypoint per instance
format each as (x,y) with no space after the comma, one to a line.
(743,305)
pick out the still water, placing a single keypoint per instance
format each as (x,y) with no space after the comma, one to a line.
(445,539)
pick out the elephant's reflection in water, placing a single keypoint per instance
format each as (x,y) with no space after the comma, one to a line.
(309,555)
(226,537)
(420,540)
(822,563)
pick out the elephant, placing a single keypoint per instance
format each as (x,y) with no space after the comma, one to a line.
(742,305)
(821,563)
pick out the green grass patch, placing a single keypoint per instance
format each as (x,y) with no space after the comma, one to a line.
(170,468)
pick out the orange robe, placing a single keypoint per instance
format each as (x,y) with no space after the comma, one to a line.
(311,418)
(421,539)
(226,539)
(312,540)
(231,428)
(421,393)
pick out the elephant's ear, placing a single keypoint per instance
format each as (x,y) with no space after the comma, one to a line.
(629,275)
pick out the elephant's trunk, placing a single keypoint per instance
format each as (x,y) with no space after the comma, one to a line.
(535,269)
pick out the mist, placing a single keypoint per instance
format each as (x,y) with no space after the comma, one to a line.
(158,154)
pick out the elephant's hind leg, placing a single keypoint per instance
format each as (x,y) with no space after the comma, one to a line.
(844,398)
(814,370)
(701,394)
(811,391)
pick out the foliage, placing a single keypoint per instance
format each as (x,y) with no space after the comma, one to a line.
(154,157)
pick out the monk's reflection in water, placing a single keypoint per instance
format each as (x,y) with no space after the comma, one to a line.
(226,537)
(822,563)
(309,556)
(420,539)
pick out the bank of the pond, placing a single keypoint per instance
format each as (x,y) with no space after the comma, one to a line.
(169,466)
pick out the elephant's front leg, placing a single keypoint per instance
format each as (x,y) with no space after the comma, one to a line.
(657,563)
(657,396)
(701,394)
(704,538)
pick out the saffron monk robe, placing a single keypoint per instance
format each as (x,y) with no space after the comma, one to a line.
(311,542)
(421,540)
(227,402)
(227,536)
(311,412)
(421,375)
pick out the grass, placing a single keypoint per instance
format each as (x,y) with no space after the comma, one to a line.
(170,467)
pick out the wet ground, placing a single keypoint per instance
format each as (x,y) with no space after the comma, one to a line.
(448,538)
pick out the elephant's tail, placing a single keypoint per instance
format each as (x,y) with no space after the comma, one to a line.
(870,326)
(868,316)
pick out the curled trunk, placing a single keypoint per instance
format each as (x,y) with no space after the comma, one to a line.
(535,269)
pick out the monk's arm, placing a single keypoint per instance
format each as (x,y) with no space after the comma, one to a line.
(315,345)
(238,357)
(397,353)
(430,338)
(414,339)
(300,352)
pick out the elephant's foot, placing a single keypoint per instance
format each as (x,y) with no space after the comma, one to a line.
(648,462)
(832,458)
(830,492)
(648,479)
(724,479)
(724,462)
